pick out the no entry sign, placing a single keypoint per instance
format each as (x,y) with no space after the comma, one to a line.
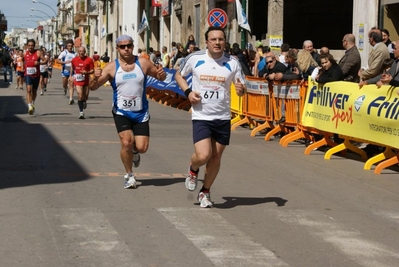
(217,17)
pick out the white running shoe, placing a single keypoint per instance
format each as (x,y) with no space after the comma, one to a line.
(205,200)
(191,181)
(81,115)
(41,92)
(30,110)
(130,182)
(136,159)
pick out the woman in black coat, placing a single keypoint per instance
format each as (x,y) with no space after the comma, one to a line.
(330,71)
(190,40)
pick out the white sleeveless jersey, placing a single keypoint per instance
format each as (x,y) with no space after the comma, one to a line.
(44,67)
(129,97)
(212,78)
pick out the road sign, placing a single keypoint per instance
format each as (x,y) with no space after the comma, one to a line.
(217,17)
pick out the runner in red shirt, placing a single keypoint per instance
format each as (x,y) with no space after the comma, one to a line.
(82,66)
(33,59)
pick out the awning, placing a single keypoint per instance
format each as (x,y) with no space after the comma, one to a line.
(388,2)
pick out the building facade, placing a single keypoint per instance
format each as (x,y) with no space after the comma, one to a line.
(97,23)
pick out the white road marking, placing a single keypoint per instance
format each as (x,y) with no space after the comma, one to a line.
(84,237)
(349,242)
(393,216)
(221,242)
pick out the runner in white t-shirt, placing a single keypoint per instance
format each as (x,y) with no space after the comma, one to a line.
(65,58)
(213,72)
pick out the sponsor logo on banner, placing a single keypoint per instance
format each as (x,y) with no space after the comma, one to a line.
(343,108)
(257,87)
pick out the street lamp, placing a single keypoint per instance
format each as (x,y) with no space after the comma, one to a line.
(38,17)
(32,9)
(55,15)
(37,2)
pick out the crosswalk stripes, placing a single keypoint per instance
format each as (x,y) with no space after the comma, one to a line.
(221,242)
(349,241)
(84,237)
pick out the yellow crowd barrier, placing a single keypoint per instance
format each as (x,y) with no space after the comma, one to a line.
(255,109)
(57,66)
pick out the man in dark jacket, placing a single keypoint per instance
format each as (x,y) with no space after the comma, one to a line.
(350,63)
(292,72)
(7,61)
(274,70)
(272,67)
(240,56)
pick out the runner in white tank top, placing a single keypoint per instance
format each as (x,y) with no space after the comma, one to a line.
(130,106)
(129,97)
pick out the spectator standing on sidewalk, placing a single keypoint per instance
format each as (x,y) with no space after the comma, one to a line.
(7,65)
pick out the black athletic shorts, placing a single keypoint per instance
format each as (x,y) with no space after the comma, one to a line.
(123,123)
(219,130)
(33,81)
(44,74)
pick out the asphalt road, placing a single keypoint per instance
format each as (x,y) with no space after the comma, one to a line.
(62,201)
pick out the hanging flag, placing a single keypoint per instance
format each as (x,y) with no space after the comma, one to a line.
(157,3)
(144,23)
(87,39)
(242,17)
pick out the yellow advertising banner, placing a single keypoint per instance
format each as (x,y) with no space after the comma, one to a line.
(369,113)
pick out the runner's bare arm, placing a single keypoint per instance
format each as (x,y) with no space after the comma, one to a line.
(43,59)
(70,73)
(150,69)
(101,76)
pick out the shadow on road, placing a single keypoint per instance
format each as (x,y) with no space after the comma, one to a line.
(161,181)
(29,154)
(232,202)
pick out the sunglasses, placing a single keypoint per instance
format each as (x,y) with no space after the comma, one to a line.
(126,45)
(268,62)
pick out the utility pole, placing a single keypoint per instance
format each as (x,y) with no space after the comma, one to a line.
(106,27)
(73,19)
(243,31)
(147,7)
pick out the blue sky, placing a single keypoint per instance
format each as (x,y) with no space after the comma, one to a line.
(18,12)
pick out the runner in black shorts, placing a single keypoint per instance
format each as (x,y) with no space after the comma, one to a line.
(129,104)
(122,123)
